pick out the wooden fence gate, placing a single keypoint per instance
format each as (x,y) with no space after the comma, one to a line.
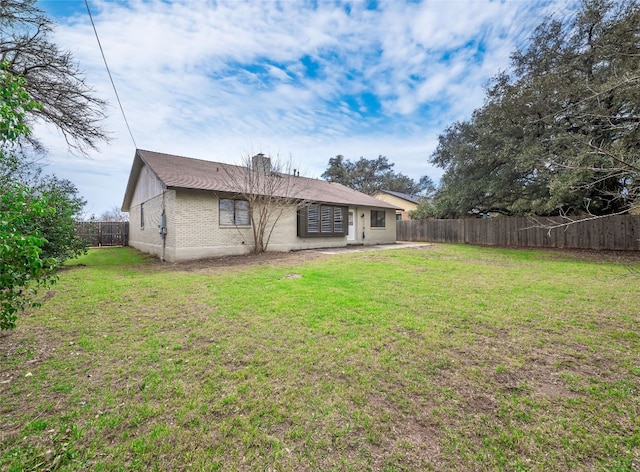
(104,233)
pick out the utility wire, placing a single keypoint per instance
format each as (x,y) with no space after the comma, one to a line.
(109,73)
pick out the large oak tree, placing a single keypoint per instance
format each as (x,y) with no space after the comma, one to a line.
(559,132)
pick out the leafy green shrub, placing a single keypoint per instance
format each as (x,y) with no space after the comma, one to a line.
(22,270)
(23,267)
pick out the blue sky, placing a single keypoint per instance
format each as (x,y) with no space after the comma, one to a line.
(301,80)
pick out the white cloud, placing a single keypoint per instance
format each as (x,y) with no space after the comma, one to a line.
(219,80)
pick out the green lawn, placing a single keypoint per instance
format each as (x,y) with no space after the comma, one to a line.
(442,358)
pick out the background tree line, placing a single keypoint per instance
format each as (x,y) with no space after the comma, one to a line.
(370,175)
(558,134)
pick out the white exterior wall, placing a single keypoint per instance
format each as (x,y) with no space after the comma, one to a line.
(199,234)
(198,231)
(285,236)
(148,239)
(194,231)
(149,193)
(367,235)
(147,187)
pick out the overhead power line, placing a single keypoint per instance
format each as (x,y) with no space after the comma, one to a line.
(109,73)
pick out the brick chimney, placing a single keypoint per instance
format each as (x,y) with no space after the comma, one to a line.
(261,163)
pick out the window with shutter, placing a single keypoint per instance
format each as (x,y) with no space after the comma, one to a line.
(234,212)
(338,219)
(313,219)
(327,226)
(322,220)
(241,213)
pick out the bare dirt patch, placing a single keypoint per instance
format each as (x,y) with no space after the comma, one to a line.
(276,258)
(247,260)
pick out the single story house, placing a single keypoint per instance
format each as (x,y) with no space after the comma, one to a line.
(402,201)
(183,209)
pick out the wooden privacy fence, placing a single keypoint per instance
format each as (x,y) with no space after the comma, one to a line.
(620,232)
(104,233)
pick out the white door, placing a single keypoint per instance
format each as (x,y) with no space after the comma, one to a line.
(351,236)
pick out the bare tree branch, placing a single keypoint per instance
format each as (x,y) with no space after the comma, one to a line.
(53,78)
(271,188)
(550,224)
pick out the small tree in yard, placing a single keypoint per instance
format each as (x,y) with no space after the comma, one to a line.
(271,189)
(58,225)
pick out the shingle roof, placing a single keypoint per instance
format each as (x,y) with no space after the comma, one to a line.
(404,196)
(185,172)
